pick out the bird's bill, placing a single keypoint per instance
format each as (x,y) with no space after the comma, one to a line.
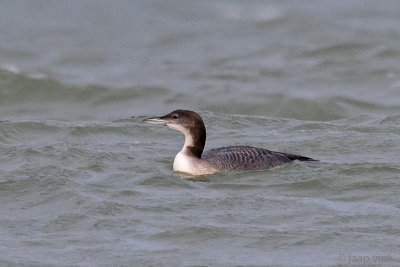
(155,120)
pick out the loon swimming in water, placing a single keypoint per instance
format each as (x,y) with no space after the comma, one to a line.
(193,161)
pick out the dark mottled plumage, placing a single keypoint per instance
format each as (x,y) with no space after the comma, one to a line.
(247,158)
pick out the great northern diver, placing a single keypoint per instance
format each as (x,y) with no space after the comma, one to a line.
(191,159)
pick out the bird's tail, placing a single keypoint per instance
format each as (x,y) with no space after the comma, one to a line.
(299,158)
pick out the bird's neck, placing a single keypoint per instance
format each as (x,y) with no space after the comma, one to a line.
(195,140)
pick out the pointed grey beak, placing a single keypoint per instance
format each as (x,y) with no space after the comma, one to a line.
(155,120)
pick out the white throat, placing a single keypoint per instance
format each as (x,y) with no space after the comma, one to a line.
(184,161)
(185,131)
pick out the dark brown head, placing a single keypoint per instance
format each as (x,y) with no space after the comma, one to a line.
(190,124)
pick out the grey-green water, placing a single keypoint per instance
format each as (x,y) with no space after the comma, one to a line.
(84,184)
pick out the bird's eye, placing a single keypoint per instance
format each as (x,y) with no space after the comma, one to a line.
(175,117)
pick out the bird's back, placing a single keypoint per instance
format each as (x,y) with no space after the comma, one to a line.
(247,158)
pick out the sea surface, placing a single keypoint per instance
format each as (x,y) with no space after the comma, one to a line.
(84,182)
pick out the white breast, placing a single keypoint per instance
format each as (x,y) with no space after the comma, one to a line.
(190,165)
(183,163)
